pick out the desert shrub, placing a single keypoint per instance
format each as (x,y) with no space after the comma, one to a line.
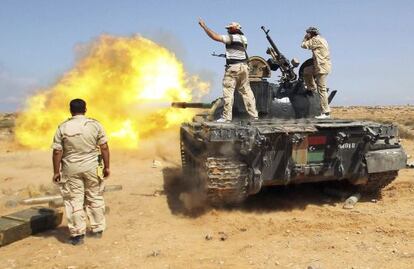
(409,122)
(405,132)
(6,123)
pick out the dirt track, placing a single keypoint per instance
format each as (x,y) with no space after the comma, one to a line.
(148,227)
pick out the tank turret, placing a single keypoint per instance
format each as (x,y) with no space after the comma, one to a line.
(286,99)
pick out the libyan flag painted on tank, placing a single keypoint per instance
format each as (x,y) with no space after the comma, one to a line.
(316,148)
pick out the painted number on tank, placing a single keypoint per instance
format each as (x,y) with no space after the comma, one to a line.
(347,146)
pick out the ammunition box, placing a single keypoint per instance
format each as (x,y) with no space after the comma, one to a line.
(30,221)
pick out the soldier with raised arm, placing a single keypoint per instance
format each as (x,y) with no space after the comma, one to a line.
(236,75)
(321,68)
(76,147)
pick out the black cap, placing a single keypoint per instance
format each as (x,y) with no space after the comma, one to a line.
(312,30)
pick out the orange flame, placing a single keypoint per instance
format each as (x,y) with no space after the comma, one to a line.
(127,83)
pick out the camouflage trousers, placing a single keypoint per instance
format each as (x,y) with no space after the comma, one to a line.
(317,82)
(80,192)
(237,77)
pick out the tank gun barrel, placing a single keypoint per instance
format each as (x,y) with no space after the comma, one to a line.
(191,105)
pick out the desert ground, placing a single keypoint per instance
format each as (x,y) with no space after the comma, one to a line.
(149,226)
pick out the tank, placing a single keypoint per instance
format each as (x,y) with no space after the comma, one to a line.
(227,162)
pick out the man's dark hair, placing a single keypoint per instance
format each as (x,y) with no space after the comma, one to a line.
(77,106)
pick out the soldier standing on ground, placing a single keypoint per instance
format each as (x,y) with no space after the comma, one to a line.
(78,173)
(237,72)
(321,68)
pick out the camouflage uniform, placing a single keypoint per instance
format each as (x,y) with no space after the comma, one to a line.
(321,68)
(236,76)
(81,183)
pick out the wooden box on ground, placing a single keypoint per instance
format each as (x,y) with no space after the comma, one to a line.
(24,223)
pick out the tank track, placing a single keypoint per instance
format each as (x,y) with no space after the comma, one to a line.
(226,181)
(222,180)
(378,181)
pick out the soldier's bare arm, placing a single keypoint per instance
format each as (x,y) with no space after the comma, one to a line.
(213,35)
(105,156)
(56,159)
(57,154)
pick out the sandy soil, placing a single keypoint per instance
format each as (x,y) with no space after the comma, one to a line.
(148,226)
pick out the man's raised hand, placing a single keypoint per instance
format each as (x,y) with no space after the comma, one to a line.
(201,22)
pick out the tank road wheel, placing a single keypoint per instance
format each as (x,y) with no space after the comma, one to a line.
(185,161)
(190,179)
(377,181)
(226,181)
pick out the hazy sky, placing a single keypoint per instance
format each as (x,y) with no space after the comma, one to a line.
(371,41)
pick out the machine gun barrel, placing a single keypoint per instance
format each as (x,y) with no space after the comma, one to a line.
(284,64)
(272,44)
(221,55)
(191,105)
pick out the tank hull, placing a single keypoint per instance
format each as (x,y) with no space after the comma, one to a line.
(230,161)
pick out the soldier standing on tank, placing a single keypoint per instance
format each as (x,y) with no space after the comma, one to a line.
(237,73)
(321,68)
(78,173)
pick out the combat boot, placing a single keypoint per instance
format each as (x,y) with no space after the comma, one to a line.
(96,235)
(222,120)
(77,240)
(323,116)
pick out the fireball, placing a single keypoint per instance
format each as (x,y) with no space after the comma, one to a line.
(127,83)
